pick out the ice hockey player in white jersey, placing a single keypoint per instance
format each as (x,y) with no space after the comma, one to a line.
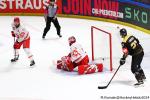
(22,39)
(77,58)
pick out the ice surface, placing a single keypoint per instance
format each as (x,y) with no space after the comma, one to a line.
(45,82)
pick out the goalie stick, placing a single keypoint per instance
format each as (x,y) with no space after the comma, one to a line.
(104,87)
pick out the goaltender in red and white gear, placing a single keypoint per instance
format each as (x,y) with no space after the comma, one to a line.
(22,38)
(77,58)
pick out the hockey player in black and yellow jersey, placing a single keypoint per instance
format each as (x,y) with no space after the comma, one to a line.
(131,46)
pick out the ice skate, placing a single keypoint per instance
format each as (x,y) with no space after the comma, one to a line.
(15,59)
(32,63)
(138,77)
(60,35)
(143,76)
(43,37)
(139,84)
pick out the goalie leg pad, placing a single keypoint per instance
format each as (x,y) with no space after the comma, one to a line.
(88,69)
(84,61)
(100,67)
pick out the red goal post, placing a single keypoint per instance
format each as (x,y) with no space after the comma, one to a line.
(109,44)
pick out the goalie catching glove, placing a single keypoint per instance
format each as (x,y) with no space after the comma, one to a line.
(65,64)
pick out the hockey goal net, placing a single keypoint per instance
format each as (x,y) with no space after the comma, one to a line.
(101,44)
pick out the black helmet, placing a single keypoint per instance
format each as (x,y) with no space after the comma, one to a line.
(123,32)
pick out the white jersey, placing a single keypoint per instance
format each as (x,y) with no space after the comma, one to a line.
(21,33)
(77,52)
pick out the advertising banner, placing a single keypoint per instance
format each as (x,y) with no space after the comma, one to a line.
(109,9)
(24,6)
(134,13)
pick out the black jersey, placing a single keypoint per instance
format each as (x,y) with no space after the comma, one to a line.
(132,44)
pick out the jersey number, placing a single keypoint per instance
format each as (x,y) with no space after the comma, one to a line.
(133,44)
(76,53)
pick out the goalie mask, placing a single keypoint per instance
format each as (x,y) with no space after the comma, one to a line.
(123,32)
(17,22)
(71,40)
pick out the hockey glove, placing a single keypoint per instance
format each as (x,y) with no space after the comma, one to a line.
(17,45)
(12,33)
(122,61)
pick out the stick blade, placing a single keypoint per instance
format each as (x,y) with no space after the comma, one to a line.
(102,87)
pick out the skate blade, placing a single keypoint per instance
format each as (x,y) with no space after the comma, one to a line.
(13,61)
(32,66)
(140,85)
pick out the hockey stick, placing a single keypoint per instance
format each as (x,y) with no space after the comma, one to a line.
(14,39)
(14,43)
(104,87)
